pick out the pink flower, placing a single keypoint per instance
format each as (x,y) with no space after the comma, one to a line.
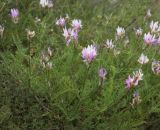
(102,73)
(76,24)
(138,76)
(70,35)
(149,39)
(129,82)
(89,53)
(67,35)
(156,67)
(74,35)
(15,15)
(134,80)
(61,22)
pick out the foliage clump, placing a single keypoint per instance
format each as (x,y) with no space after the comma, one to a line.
(64,66)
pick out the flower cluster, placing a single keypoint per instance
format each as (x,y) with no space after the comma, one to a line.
(45,58)
(134,80)
(89,53)
(136,99)
(109,44)
(71,29)
(149,38)
(70,34)
(61,22)
(153,37)
(76,25)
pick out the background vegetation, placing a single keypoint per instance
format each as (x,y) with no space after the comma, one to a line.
(65,97)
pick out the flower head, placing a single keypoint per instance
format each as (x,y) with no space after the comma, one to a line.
(136,99)
(149,13)
(143,59)
(138,76)
(67,35)
(129,82)
(61,22)
(43,3)
(70,34)
(30,34)
(139,32)
(149,39)
(66,32)
(46,3)
(102,73)
(76,24)
(74,35)
(134,80)
(156,67)
(120,32)
(154,26)
(109,44)
(89,53)
(15,15)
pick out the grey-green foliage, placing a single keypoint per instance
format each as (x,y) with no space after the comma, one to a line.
(67,96)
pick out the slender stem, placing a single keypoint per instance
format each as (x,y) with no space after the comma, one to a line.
(100,86)
(29,63)
(88,67)
(75,43)
(17,3)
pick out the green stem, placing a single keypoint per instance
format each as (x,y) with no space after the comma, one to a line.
(100,86)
